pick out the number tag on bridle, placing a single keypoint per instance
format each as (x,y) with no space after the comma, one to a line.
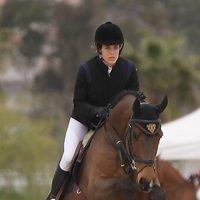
(147,126)
(151,128)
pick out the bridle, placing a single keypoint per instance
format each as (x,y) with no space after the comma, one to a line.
(124,145)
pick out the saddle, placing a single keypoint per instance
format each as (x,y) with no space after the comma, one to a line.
(71,184)
(80,153)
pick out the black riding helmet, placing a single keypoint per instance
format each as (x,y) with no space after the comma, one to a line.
(108,33)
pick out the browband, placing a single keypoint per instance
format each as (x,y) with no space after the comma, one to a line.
(150,127)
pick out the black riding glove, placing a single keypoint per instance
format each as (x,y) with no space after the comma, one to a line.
(99,114)
(140,95)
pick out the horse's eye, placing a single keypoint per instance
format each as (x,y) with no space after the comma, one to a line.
(136,132)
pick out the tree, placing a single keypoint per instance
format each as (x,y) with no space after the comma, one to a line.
(22,13)
(163,70)
(27,150)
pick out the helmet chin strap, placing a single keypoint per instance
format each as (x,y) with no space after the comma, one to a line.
(121,47)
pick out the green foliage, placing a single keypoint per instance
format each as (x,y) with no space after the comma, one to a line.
(184,16)
(5,194)
(48,80)
(12,195)
(153,50)
(27,149)
(7,41)
(75,36)
(31,43)
(163,70)
(21,13)
(5,35)
(24,140)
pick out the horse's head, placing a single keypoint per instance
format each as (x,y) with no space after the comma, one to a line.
(134,128)
(144,136)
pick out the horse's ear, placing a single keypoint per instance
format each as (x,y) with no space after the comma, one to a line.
(161,107)
(136,107)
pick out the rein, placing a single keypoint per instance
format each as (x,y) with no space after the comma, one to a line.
(127,158)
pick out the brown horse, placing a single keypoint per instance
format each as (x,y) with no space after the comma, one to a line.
(176,186)
(121,155)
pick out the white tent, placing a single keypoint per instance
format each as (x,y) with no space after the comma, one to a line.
(181,142)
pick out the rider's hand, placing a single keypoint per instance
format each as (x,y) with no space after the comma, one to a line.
(141,96)
(100,112)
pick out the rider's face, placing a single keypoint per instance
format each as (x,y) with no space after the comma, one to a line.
(110,53)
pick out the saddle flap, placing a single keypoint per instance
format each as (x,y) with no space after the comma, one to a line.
(80,152)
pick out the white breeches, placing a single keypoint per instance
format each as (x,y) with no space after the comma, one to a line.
(74,134)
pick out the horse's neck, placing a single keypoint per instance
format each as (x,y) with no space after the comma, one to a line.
(176,186)
(121,113)
(169,175)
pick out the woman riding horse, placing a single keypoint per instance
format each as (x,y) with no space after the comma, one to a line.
(98,81)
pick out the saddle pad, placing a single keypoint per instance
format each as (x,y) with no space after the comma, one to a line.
(87,137)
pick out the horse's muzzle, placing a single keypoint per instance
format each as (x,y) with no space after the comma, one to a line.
(145,185)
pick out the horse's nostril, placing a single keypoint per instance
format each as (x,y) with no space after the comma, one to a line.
(144,185)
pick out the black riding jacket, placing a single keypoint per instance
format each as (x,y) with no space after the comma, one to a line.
(95,87)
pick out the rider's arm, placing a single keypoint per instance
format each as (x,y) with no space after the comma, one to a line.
(83,110)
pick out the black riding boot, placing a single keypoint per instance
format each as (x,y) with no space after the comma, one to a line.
(59,178)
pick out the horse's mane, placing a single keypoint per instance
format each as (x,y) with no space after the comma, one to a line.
(120,96)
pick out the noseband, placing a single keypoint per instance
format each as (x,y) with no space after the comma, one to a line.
(125,148)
